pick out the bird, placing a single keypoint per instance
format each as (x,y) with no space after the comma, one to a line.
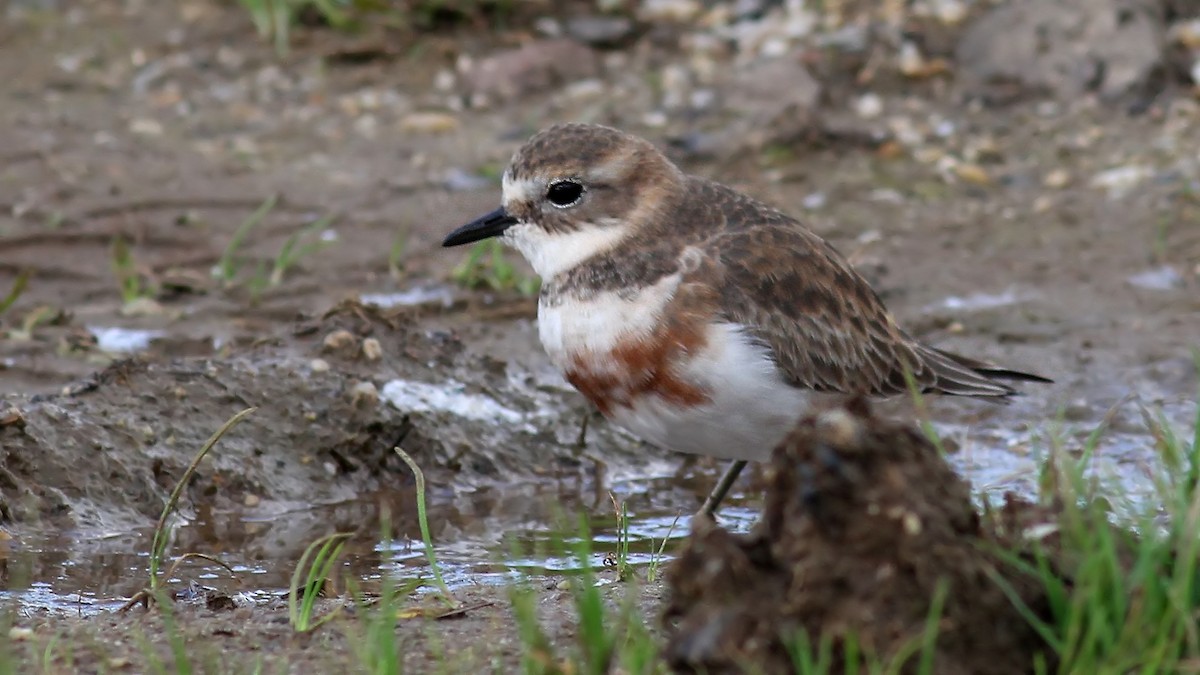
(698,318)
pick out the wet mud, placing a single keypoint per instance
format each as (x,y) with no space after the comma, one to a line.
(105,453)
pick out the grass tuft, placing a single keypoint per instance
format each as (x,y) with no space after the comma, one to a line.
(303,243)
(1123,590)
(128,279)
(396,256)
(227,267)
(658,556)
(621,561)
(274,19)
(377,649)
(487,267)
(309,578)
(605,641)
(14,293)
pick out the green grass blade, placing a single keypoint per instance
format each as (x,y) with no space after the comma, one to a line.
(227,266)
(162,530)
(15,292)
(426,539)
(302,598)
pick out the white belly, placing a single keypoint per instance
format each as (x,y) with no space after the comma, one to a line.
(751,408)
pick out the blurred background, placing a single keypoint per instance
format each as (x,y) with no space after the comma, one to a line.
(176,178)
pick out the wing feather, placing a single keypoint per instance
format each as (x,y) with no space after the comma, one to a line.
(827,327)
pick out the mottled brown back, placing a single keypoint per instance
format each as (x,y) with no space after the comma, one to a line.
(826,326)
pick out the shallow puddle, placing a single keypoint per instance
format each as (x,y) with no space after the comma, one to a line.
(492,535)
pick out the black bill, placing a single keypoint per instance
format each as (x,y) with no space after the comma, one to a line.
(490,225)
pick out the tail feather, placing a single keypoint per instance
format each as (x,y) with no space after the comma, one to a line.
(961,376)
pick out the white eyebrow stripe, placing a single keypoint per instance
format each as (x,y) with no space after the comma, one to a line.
(519,190)
(613,169)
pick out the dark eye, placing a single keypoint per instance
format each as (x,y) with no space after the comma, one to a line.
(564,193)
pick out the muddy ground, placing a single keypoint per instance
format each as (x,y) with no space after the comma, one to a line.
(1048,220)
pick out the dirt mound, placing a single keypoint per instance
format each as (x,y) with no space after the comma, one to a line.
(863,523)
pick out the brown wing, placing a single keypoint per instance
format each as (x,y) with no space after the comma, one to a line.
(828,329)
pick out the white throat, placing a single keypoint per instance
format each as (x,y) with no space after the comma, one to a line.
(552,253)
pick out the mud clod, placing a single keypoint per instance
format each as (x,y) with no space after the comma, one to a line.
(863,523)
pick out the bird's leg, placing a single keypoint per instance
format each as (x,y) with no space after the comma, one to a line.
(581,441)
(722,488)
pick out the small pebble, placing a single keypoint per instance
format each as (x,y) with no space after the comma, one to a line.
(599,31)
(339,340)
(949,12)
(655,119)
(1120,180)
(973,173)
(584,89)
(371,349)
(912,524)
(869,106)
(1057,179)
(677,11)
(444,81)
(319,365)
(11,416)
(912,63)
(702,99)
(549,26)
(428,123)
(838,428)
(144,126)
(364,395)
(1186,33)
(984,150)
(815,201)
(1078,410)
(142,307)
